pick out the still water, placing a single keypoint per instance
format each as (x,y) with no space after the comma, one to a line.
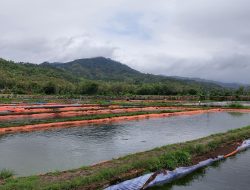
(231,174)
(62,149)
(222,103)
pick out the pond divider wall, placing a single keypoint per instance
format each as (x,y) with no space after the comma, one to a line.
(165,176)
(66,124)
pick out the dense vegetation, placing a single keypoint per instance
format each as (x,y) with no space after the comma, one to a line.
(99,69)
(30,78)
(96,76)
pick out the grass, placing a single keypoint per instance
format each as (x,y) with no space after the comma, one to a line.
(5,173)
(79,118)
(170,157)
(236,105)
(146,104)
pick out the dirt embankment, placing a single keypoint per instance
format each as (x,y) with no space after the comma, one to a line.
(69,175)
(100,175)
(221,150)
(65,124)
(30,108)
(224,149)
(73,112)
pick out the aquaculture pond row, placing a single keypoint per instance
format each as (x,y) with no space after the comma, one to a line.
(62,149)
(74,113)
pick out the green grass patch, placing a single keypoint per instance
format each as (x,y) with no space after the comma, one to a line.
(236,105)
(5,173)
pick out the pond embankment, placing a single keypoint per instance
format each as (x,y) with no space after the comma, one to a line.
(107,173)
(40,120)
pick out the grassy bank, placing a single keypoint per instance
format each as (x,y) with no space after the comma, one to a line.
(99,176)
(80,118)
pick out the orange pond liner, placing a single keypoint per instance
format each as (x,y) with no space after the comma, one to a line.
(44,126)
(10,117)
(45,108)
(31,104)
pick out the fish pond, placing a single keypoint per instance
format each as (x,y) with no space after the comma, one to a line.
(68,148)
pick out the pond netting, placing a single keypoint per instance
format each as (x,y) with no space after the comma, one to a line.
(165,176)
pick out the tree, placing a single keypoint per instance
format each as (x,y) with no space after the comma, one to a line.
(49,88)
(192,91)
(89,88)
(240,90)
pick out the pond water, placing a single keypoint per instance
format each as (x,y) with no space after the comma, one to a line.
(231,174)
(62,149)
(222,103)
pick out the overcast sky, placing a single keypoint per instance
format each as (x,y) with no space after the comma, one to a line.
(194,38)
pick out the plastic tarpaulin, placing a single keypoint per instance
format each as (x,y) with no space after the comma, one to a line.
(164,177)
(168,176)
(244,145)
(133,184)
(5,112)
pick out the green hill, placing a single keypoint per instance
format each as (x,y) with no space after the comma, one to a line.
(98,68)
(93,76)
(30,78)
(104,69)
(101,68)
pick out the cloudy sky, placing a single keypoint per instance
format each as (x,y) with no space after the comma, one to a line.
(194,38)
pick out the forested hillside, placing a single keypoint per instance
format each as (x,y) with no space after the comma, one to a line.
(32,78)
(98,68)
(94,76)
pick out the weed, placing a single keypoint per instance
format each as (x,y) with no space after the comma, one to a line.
(235,105)
(5,173)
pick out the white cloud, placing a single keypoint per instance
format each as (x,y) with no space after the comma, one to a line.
(207,39)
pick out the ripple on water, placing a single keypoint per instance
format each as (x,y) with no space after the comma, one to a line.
(62,149)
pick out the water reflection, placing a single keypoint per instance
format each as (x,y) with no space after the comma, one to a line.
(236,114)
(219,103)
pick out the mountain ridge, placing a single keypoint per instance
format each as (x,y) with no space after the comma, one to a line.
(97,68)
(94,76)
(82,67)
(231,85)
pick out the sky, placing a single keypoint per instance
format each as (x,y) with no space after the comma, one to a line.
(207,39)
